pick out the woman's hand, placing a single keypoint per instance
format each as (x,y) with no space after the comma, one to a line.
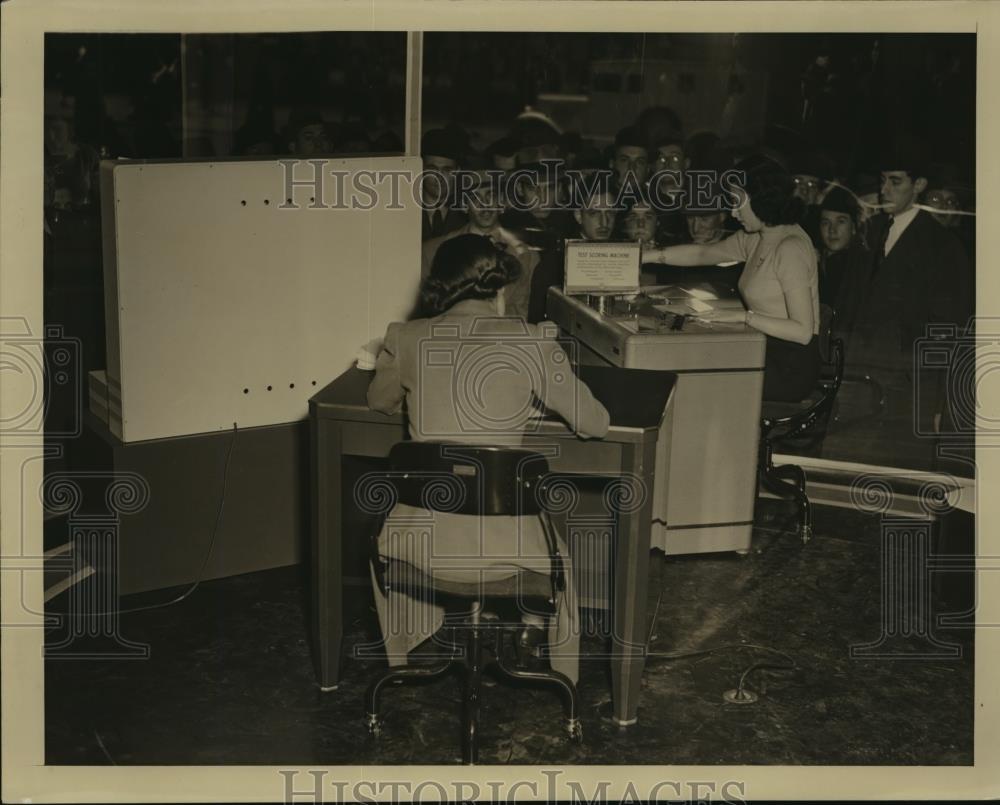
(651,253)
(723,316)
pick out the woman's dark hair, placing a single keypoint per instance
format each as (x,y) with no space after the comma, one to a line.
(466,267)
(772,192)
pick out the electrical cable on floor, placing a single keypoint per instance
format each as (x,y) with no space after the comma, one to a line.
(788,665)
(683,655)
(208,555)
(738,694)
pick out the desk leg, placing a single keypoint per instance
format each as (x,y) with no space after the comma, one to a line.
(327,527)
(630,588)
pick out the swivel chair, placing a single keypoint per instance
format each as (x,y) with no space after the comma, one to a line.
(790,420)
(483,482)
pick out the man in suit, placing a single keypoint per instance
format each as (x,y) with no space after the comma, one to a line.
(441,152)
(920,277)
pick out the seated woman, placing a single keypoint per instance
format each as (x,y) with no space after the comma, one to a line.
(779,283)
(483,395)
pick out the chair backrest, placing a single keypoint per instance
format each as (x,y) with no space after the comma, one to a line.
(832,355)
(466,479)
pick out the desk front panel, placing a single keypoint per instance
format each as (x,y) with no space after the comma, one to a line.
(705,500)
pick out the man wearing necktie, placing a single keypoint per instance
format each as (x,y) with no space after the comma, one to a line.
(920,277)
(441,153)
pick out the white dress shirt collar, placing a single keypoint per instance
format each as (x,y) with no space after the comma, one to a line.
(898,226)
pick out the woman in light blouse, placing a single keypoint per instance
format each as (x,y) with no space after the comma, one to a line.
(780,281)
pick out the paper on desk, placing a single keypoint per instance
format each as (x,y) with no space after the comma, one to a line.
(698,306)
(698,293)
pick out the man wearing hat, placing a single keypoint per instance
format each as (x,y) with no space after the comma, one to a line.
(441,153)
(921,277)
(810,169)
(844,262)
(949,194)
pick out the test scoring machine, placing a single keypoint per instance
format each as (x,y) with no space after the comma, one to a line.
(706,490)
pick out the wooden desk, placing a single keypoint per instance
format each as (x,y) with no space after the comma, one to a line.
(341,424)
(706,501)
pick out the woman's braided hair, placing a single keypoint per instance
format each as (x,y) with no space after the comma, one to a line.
(466,267)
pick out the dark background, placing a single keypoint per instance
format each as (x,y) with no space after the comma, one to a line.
(129,90)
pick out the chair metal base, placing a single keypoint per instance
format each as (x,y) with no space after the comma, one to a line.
(479,655)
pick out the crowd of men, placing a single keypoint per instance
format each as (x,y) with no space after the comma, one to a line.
(894,234)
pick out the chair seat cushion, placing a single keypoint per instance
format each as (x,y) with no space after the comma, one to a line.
(404,577)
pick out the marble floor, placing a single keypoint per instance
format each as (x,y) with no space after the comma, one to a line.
(229,677)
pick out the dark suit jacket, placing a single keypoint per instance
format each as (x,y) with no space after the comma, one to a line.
(843,283)
(548,273)
(925,279)
(453,220)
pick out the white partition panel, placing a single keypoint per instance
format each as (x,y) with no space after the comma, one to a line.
(226,305)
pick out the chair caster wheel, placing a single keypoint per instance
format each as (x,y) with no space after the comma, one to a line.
(575,730)
(374,725)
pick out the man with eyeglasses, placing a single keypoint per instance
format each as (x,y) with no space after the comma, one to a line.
(947,192)
(809,171)
(670,162)
(667,188)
